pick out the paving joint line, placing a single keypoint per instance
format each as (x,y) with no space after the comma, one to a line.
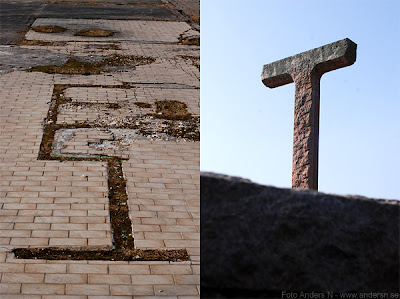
(121,225)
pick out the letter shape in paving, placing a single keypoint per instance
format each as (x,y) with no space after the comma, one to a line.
(305,70)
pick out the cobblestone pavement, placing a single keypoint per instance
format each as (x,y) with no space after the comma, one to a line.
(62,199)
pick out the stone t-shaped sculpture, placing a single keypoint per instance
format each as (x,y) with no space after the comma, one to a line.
(305,70)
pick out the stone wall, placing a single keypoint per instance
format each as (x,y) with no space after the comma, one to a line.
(257,241)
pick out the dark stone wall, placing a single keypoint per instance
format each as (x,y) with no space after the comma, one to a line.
(257,241)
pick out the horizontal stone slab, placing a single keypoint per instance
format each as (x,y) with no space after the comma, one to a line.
(323,59)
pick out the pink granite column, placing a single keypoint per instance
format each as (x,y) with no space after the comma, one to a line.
(306,129)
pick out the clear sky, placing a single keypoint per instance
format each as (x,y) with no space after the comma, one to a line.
(247,128)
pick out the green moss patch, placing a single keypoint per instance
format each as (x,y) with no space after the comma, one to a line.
(190,41)
(143,105)
(71,67)
(130,60)
(94,33)
(195,18)
(188,130)
(49,29)
(25,42)
(110,47)
(172,110)
(77,67)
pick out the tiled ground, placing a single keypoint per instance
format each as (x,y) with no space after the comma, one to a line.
(132,31)
(53,203)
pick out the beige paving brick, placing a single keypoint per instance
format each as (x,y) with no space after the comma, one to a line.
(179,228)
(188,221)
(42,289)
(10,288)
(100,242)
(156,208)
(66,278)
(22,278)
(87,234)
(5,241)
(168,290)
(35,212)
(29,241)
(7,225)
(165,221)
(146,228)
(68,226)
(152,279)
(97,226)
(146,290)
(8,213)
(149,244)
(130,269)
(109,279)
(68,212)
(68,242)
(84,268)
(187,279)
(87,289)
(14,233)
(16,219)
(46,268)
(9,206)
(88,219)
(162,236)
(51,219)
(182,243)
(7,267)
(49,234)
(171,269)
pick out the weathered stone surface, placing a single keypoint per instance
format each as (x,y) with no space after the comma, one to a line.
(306,69)
(257,239)
(324,59)
(15,58)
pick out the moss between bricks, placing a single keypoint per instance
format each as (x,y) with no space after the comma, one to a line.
(94,33)
(189,41)
(195,18)
(52,253)
(102,3)
(113,46)
(172,110)
(25,42)
(49,29)
(121,225)
(143,105)
(77,67)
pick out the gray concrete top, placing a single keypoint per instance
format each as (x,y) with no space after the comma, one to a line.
(320,60)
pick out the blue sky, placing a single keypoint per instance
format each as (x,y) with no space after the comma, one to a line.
(247,128)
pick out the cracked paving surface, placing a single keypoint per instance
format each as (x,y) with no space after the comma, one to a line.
(52,203)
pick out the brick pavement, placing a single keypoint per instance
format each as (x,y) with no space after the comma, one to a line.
(65,203)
